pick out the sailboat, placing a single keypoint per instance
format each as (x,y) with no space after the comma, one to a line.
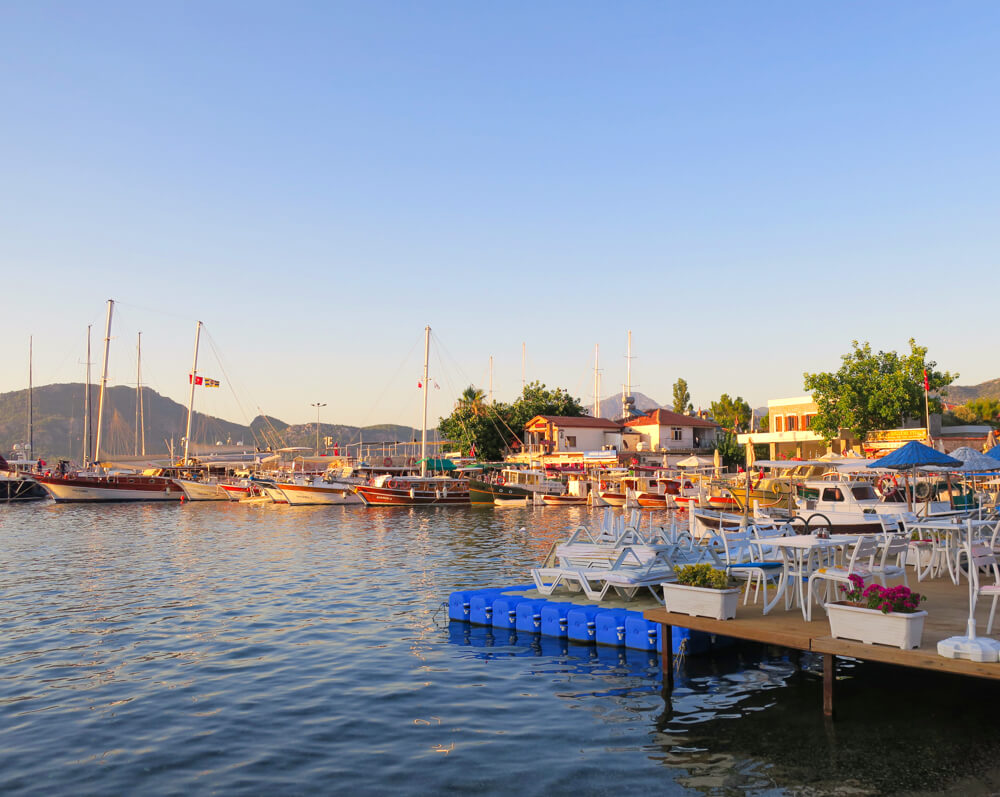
(391,490)
(68,486)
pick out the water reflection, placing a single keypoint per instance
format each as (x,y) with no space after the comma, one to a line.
(241,649)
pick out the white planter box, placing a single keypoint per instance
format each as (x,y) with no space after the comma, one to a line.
(701,601)
(874,628)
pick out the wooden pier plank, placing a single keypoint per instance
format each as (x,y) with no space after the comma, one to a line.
(947,606)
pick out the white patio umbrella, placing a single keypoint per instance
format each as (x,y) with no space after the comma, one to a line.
(694,461)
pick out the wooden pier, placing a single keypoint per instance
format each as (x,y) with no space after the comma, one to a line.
(947,608)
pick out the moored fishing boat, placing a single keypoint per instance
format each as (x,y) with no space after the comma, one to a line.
(16,484)
(512,501)
(513,483)
(564,500)
(319,491)
(201,490)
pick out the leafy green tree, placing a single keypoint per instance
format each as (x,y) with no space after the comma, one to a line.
(874,391)
(764,424)
(731,413)
(536,399)
(731,452)
(491,428)
(682,397)
(980,410)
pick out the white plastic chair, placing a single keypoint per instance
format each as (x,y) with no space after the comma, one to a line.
(982,558)
(859,564)
(894,544)
(743,561)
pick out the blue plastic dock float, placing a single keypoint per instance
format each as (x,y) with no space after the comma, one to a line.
(554,619)
(610,627)
(581,623)
(528,616)
(511,610)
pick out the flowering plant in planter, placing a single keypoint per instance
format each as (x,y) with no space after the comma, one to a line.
(887,599)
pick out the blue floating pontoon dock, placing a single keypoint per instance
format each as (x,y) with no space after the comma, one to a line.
(521,609)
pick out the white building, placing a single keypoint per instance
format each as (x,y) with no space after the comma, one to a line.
(663,430)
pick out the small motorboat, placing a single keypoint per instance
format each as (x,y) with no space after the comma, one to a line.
(564,500)
(511,501)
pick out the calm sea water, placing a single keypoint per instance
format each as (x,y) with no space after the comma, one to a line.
(239,649)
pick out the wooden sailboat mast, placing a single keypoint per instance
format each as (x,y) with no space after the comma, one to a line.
(139,421)
(31,408)
(87,426)
(597,380)
(194,378)
(104,381)
(423,429)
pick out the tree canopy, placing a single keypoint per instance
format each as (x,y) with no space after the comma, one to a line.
(731,413)
(682,397)
(491,428)
(874,391)
(980,410)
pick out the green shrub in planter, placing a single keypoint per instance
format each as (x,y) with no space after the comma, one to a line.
(703,575)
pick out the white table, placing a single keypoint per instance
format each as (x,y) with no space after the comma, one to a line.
(954,535)
(797,555)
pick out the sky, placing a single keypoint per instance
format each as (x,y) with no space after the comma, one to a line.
(746,187)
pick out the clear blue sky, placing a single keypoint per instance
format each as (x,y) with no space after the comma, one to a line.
(746,186)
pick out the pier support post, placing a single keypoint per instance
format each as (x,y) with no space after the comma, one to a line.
(829,676)
(667,655)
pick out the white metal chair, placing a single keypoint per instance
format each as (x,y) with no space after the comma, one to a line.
(859,564)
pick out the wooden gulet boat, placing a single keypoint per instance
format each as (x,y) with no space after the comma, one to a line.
(422,490)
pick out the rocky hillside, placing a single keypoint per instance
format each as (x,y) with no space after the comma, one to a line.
(59,424)
(960,394)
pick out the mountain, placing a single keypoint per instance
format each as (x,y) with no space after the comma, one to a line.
(961,394)
(59,425)
(612,407)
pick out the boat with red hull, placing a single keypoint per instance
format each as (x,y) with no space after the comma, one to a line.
(414,491)
(70,488)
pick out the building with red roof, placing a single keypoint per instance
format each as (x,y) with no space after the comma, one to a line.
(664,430)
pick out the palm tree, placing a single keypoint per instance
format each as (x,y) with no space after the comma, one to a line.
(472,399)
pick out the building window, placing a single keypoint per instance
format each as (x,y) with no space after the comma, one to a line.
(571,441)
(791,423)
(677,433)
(779,423)
(807,421)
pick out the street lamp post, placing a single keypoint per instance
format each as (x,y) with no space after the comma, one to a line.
(317,405)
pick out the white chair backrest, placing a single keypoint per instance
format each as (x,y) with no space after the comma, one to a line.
(895,545)
(864,550)
(890,524)
(736,545)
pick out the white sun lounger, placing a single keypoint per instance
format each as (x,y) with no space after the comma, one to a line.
(627,575)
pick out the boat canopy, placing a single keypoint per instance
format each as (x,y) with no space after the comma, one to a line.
(437,463)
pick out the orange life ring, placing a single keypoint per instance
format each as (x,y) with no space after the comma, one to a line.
(887,483)
(387,462)
(604,486)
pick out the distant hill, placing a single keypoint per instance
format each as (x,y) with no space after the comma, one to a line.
(59,424)
(961,394)
(611,408)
